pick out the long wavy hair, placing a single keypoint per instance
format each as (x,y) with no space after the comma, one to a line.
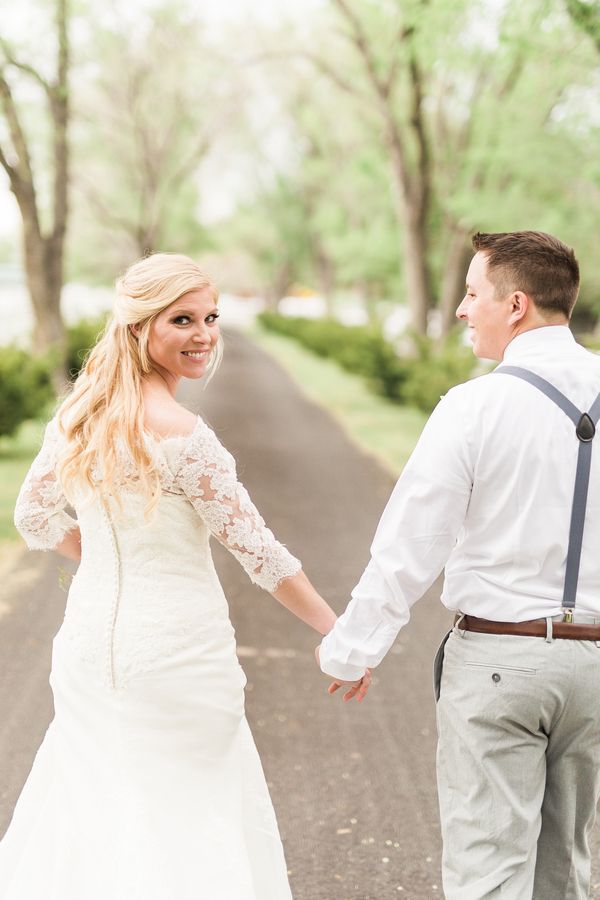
(104,413)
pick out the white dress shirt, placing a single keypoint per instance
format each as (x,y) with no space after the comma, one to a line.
(487,493)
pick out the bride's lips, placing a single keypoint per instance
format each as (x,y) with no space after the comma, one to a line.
(195,354)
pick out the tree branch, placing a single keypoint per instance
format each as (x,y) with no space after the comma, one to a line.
(8,168)
(403,34)
(419,129)
(59,105)
(382,92)
(106,212)
(24,67)
(359,39)
(23,165)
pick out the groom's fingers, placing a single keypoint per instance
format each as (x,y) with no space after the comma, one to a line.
(356,689)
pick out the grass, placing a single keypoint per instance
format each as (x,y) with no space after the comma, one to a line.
(385,429)
(16,454)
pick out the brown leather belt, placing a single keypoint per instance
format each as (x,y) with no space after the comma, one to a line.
(576,631)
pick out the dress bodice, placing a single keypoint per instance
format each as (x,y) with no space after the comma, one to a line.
(147,588)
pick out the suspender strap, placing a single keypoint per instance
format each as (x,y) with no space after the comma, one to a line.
(585,428)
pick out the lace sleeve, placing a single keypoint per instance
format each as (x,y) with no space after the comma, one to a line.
(206,473)
(40,515)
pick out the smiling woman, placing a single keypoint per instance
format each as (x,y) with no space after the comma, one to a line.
(148,783)
(166,308)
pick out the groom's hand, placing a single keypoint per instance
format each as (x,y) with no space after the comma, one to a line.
(356,689)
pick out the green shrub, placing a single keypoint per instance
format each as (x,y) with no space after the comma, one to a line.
(418,379)
(25,387)
(437,367)
(361,349)
(81,337)
(25,380)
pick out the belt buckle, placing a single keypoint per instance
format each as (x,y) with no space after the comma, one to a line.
(567,616)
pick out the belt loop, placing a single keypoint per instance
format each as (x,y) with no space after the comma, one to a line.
(461,632)
(549,629)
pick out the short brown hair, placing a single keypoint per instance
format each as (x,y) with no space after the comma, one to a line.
(533,262)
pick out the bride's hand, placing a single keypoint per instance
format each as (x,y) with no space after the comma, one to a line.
(357,689)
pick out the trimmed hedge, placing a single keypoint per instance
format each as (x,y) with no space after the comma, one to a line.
(25,387)
(81,337)
(357,348)
(416,380)
(25,382)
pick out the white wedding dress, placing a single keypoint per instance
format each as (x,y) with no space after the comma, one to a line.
(148,785)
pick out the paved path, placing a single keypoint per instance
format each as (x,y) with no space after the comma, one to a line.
(353,785)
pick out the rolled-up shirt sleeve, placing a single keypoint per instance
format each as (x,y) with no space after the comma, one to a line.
(415,536)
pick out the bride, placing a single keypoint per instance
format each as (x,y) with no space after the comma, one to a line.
(148,785)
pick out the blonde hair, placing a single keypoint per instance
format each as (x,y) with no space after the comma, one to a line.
(104,413)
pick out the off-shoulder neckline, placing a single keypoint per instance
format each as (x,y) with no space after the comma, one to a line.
(174,437)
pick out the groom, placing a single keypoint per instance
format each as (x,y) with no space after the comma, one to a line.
(503,492)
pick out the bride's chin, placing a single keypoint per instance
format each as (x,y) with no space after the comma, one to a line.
(194,373)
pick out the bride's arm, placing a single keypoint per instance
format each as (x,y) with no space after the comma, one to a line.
(206,472)
(299,596)
(207,475)
(70,546)
(40,514)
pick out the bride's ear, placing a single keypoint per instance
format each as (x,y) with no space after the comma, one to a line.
(134,329)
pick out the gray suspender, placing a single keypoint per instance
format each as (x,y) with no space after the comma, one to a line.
(585,428)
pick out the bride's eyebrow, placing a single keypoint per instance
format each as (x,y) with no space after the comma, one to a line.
(187,312)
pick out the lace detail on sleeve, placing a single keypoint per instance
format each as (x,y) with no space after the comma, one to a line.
(40,515)
(206,474)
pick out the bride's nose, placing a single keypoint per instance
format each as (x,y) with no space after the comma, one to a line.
(202,335)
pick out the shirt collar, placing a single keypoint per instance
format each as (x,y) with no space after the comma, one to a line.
(550,336)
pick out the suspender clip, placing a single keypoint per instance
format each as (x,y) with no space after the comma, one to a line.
(567,615)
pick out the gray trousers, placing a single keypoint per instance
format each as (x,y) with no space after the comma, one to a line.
(518,766)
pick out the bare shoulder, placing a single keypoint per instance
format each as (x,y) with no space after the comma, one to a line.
(167,420)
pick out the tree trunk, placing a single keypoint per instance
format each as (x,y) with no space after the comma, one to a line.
(277,288)
(43,253)
(369,304)
(412,197)
(43,271)
(453,280)
(418,281)
(326,280)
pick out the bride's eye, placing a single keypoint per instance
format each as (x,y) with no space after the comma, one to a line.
(182,320)
(212,318)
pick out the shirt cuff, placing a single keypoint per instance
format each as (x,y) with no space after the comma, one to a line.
(336,669)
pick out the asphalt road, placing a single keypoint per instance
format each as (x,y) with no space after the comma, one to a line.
(353,786)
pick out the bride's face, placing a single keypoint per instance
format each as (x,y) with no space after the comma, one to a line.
(183,335)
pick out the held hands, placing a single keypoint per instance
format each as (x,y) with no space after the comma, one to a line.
(356,689)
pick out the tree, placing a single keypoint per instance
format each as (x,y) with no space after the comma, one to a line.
(153,105)
(405,137)
(443,93)
(44,224)
(586,14)
(320,211)
(272,230)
